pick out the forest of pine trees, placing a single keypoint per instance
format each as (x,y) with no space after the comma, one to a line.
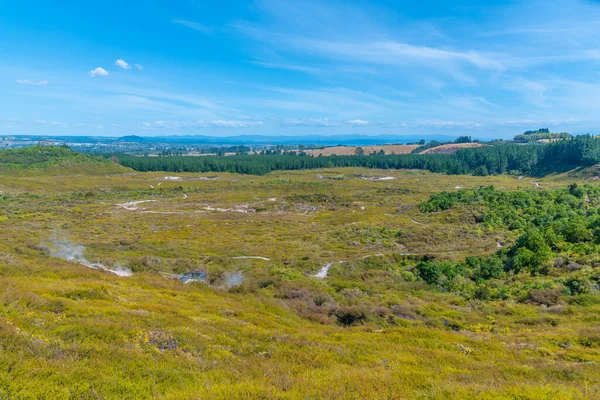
(580,151)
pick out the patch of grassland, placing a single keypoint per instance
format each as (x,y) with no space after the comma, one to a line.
(49,160)
(371,329)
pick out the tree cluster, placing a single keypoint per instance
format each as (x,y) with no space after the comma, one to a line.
(552,227)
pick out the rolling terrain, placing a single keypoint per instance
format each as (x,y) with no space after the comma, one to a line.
(328,283)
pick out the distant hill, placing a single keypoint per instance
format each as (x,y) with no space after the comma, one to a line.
(333,140)
(132,139)
(543,134)
(59,159)
(246,140)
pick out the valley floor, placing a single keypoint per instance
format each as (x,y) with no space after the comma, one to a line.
(263,325)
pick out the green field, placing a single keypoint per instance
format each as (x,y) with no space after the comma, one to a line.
(264,327)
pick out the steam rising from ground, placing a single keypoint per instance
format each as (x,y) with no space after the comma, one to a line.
(73,252)
(234,279)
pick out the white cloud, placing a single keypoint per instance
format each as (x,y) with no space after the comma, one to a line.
(172,124)
(31,83)
(340,102)
(391,124)
(450,124)
(138,67)
(80,124)
(289,67)
(52,123)
(313,122)
(540,122)
(193,25)
(534,92)
(60,124)
(376,52)
(357,122)
(236,124)
(67,125)
(122,64)
(98,72)
(138,95)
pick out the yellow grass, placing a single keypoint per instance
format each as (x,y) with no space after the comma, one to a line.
(68,332)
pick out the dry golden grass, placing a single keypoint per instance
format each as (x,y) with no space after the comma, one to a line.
(349,150)
(68,332)
(451,148)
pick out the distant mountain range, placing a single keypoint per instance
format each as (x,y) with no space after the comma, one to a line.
(349,140)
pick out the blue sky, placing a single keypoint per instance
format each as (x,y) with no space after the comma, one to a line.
(274,67)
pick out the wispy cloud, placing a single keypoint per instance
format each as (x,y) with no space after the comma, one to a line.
(308,122)
(193,25)
(236,124)
(450,124)
(186,100)
(538,122)
(59,124)
(339,102)
(302,67)
(318,34)
(289,67)
(86,125)
(98,72)
(122,64)
(31,83)
(173,125)
(394,52)
(154,105)
(533,91)
(391,124)
(357,122)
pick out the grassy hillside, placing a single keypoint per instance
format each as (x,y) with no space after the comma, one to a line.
(375,327)
(52,159)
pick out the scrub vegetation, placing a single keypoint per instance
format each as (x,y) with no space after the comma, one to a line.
(341,282)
